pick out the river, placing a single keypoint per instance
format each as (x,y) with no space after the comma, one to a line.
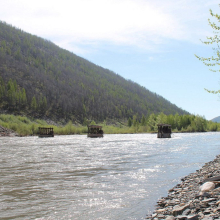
(116,177)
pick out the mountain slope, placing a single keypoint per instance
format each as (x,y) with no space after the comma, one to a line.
(216,119)
(38,78)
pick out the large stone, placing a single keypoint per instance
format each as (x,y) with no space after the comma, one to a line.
(170,218)
(206,187)
(182,217)
(178,210)
(187,211)
(209,200)
(207,211)
(160,216)
(193,217)
(207,218)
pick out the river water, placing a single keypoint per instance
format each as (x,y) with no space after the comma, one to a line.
(116,177)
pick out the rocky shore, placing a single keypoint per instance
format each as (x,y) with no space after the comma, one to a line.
(5,132)
(190,199)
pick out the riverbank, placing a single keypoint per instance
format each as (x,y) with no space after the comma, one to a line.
(186,201)
(26,126)
(5,132)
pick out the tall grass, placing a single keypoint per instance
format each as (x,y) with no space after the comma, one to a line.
(25,126)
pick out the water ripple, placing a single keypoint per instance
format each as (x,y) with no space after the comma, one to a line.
(115,177)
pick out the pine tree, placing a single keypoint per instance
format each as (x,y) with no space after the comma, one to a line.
(34,104)
(23,97)
(11,93)
(143,121)
(129,122)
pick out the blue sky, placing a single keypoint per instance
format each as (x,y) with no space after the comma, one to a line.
(149,42)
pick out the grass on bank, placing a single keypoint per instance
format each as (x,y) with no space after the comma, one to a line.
(25,126)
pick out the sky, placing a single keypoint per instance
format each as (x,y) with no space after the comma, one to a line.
(152,43)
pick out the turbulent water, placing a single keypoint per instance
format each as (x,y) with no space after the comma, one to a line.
(116,177)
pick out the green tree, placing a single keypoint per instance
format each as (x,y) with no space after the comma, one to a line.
(23,97)
(213,61)
(152,122)
(2,88)
(170,120)
(200,123)
(143,121)
(34,103)
(11,92)
(161,118)
(42,104)
(213,126)
(177,124)
(85,122)
(134,121)
(92,122)
(2,52)
(129,122)
(18,54)
(84,109)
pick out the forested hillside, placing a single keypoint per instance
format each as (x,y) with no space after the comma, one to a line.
(38,79)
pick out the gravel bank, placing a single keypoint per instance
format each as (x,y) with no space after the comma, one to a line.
(5,132)
(188,200)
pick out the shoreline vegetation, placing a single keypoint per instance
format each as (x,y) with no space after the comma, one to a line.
(24,126)
(193,198)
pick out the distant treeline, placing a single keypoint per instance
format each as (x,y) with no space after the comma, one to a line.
(39,79)
(179,123)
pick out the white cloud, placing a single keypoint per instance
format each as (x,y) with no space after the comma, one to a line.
(142,23)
